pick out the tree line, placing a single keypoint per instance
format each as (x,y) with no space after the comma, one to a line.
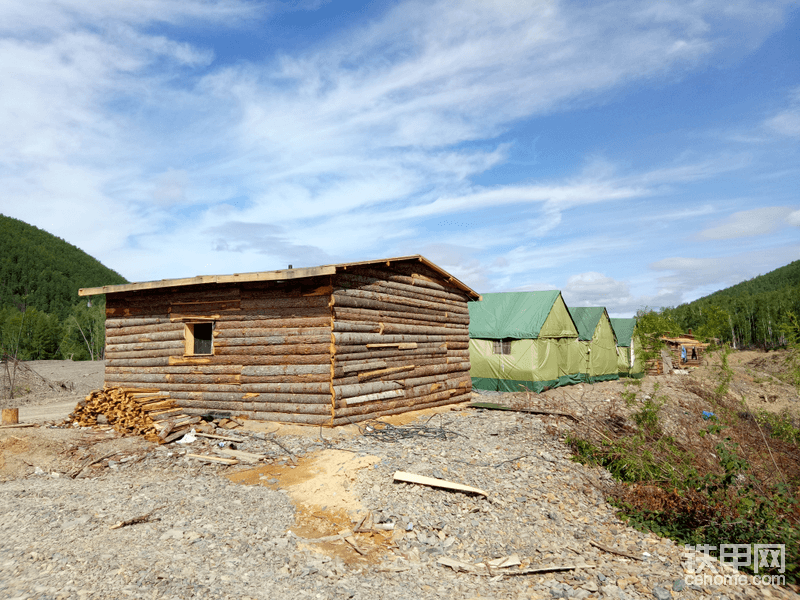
(761,312)
(41,315)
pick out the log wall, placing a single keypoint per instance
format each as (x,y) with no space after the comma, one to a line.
(367,341)
(271,348)
(400,341)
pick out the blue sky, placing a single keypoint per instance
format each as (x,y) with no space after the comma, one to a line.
(628,153)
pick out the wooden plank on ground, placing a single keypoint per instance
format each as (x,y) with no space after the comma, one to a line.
(440,483)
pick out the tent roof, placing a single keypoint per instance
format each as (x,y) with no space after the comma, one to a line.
(517,315)
(282,275)
(586,319)
(623,328)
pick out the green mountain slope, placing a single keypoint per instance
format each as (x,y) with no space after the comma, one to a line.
(40,270)
(41,314)
(778,279)
(756,312)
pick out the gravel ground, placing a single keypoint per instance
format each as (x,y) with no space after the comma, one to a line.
(204,536)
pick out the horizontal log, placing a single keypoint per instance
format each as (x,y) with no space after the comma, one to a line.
(348,368)
(113,355)
(360,389)
(118,322)
(285,304)
(391,373)
(265,397)
(208,402)
(265,328)
(276,359)
(438,306)
(344,339)
(260,332)
(273,370)
(366,365)
(137,363)
(383,286)
(289,408)
(403,375)
(288,388)
(395,328)
(356,326)
(407,404)
(217,359)
(295,418)
(460,383)
(224,328)
(180,344)
(203,308)
(307,378)
(166,369)
(147,338)
(366,315)
(117,332)
(386,353)
(245,343)
(163,378)
(341,299)
(416,280)
(297,288)
(227,348)
(182,387)
(372,397)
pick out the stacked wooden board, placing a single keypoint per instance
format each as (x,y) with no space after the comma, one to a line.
(327,346)
(134,411)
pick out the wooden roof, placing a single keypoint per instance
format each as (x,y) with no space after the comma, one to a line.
(282,275)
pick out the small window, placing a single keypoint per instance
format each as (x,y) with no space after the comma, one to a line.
(199,338)
(501,346)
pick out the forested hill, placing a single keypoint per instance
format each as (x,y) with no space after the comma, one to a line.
(40,270)
(41,314)
(757,312)
(778,279)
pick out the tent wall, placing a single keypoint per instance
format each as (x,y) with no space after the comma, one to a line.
(550,360)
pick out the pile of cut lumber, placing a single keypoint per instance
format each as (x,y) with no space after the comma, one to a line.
(134,411)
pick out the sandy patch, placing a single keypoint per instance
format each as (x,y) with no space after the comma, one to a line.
(319,486)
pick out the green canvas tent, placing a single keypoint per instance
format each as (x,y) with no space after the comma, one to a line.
(628,363)
(522,340)
(597,343)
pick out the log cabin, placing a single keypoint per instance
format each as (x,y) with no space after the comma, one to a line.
(327,345)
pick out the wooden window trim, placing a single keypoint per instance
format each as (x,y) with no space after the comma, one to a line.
(189,338)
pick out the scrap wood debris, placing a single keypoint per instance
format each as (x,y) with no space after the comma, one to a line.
(140,519)
(505,565)
(132,411)
(440,483)
(386,432)
(531,411)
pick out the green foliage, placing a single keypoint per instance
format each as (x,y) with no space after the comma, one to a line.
(670,492)
(84,332)
(790,328)
(780,427)
(651,326)
(40,310)
(750,313)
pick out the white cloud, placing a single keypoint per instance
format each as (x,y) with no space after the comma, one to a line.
(787,122)
(758,221)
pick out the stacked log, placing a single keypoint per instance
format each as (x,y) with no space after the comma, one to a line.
(400,342)
(149,413)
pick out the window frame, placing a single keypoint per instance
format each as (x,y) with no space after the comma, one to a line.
(190,339)
(502,347)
